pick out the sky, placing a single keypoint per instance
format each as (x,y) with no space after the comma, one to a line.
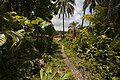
(57,22)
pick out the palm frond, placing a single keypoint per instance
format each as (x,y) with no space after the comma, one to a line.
(68,5)
(3,39)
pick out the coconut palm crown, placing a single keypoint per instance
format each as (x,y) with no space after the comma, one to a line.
(66,8)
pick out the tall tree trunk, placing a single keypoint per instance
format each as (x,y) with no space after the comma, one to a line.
(109,14)
(63,21)
(109,19)
(74,33)
(83,19)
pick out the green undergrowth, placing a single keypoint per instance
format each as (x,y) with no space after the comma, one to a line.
(55,60)
(79,63)
(55,68)
(97,57)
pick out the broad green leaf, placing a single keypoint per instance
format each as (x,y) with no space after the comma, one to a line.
(117,57)
(41,74)
(88,17)
(115,78)
(44,24)
(27,22)
(48,70)
(3,39)
(67,75)
(45,77)
(19,45)
(61,75)
(6,19)
(35,51)
(32,63)
(13,13)
(39,19)
(53,75)
(35,22)
(19,33)
(17,17)
(14,37)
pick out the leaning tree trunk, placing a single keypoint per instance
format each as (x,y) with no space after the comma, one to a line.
(83,19)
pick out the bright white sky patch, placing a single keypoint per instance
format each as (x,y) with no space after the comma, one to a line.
(76,17)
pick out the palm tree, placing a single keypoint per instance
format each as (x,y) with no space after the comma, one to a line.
(73,25)
(65,7)
(83,18)
(91,4)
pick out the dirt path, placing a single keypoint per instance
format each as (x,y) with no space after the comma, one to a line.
(73,69)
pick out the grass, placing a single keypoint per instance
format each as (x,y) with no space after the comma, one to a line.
(81,64)
(56,61)
(54,66)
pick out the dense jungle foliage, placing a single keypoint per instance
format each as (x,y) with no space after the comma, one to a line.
(21,44)
(27,49)
(98,45)
(26,34)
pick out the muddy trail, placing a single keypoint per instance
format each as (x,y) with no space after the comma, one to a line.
(77,74)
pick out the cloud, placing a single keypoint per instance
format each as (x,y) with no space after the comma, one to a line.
(76,17)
